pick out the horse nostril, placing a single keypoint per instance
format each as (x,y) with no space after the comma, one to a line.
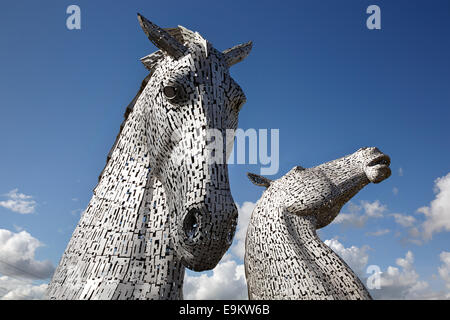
(190,223)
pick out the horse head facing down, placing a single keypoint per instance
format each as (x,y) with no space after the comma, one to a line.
(190,97)
(163,200)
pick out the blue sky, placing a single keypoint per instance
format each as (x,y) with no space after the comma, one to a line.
(316,73)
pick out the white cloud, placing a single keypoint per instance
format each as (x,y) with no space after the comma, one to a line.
(351,220)
(373,209)
(378,233)
(18,202)
(245,212)
(395,191)
(355,257)
(359,214)
(404,220)
(444,269)
(17,259)
(14,289)
(400,172)
(437,214)
(403,283)
(227,282)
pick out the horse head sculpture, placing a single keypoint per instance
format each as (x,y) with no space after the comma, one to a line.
(163,200)
(189,94)
(292,262)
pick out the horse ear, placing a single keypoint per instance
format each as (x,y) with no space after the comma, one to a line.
(237,53)
(259,180)
(162,39)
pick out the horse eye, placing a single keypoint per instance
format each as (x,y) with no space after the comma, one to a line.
(171,92)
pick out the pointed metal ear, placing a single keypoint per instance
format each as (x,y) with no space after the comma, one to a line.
(259,180)
(162,39)
(237,53)
(152,59)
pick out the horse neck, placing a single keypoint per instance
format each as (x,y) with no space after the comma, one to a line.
(289,261)
(154,270)
(337,280)
(121,248)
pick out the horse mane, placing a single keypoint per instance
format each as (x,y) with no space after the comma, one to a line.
(150,62)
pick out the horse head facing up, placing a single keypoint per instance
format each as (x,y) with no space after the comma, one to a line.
(321,191)
(287,217)
(189,98)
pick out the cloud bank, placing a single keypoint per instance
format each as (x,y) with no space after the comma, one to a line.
(18,202)
(17,259)
(15,289)
(19,269)
(437,214)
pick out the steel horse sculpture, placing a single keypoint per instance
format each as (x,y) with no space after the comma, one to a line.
(284,257)
(160,204)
